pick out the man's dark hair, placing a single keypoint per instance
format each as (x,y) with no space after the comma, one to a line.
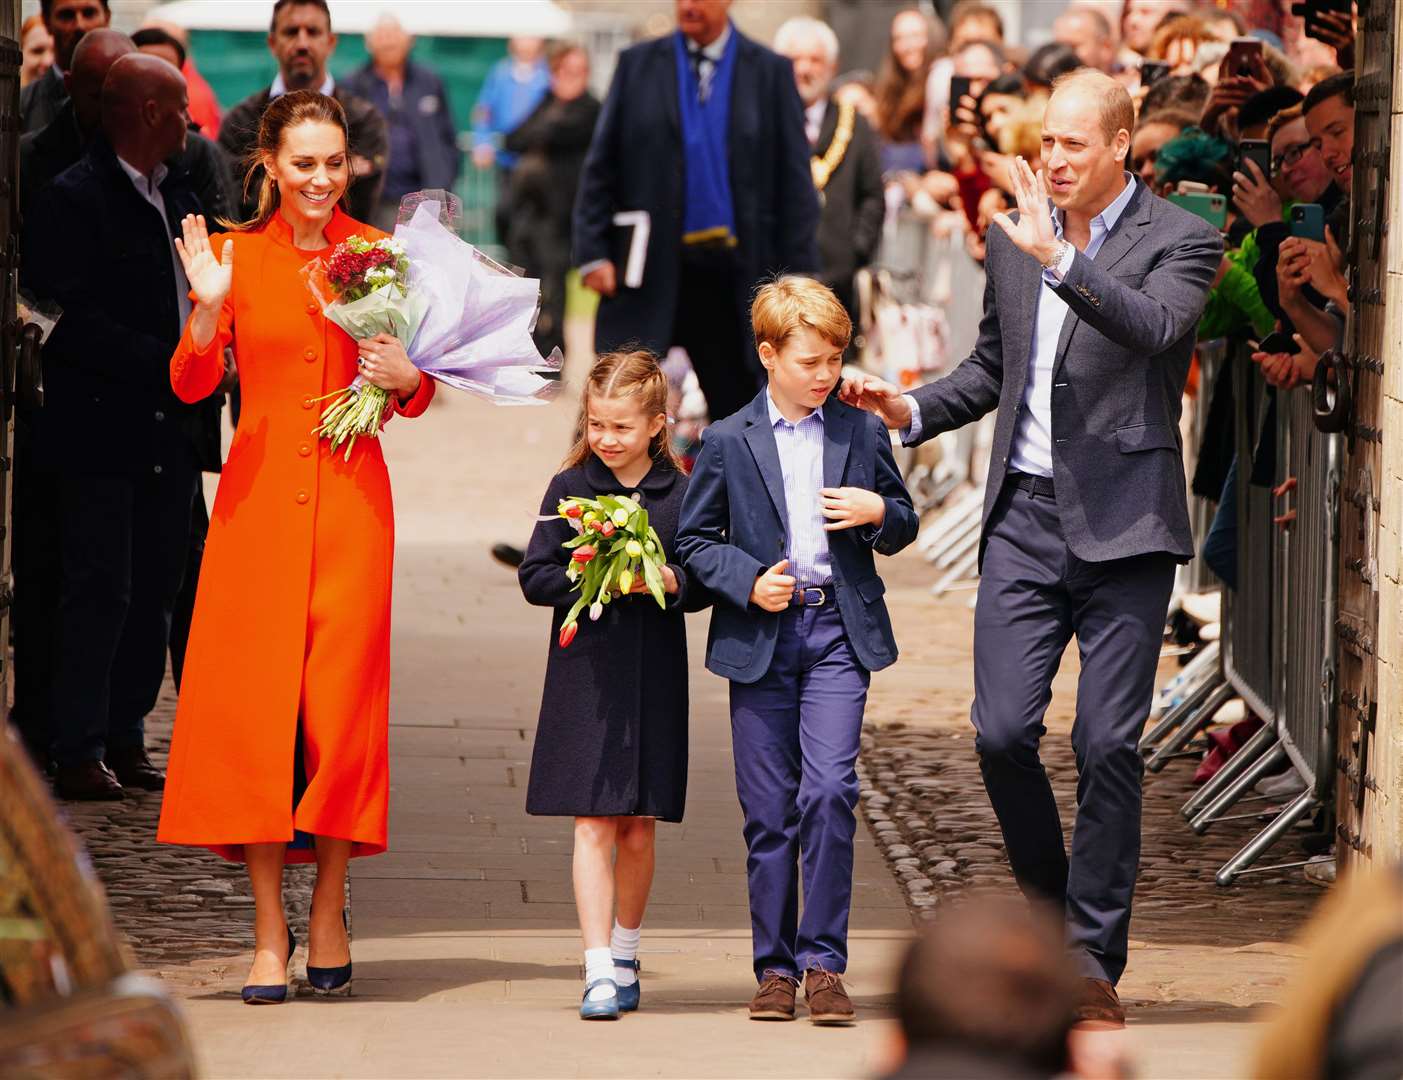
(282,5)
(991,979)
(1189,92)
(154,35)
(1050,62)
(1009,84)
(1261,107)
(1341,85)
(47,6)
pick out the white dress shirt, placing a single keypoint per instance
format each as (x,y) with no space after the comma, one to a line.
(1031,451)
(279,88)
(150,189)
(813,120)
(801,464)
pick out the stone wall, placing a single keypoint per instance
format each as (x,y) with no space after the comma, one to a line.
(1383,821)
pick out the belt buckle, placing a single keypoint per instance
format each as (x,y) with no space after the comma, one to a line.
(804,596)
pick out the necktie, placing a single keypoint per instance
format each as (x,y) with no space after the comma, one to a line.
(702,68)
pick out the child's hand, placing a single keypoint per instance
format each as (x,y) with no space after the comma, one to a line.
(846,507)
(774,589)
(640,584)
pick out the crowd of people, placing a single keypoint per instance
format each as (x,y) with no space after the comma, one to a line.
(714,163)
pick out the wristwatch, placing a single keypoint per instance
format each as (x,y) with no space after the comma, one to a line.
(1056,257)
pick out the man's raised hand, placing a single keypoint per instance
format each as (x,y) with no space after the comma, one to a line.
(1034,232)
(877,396)
(210,278)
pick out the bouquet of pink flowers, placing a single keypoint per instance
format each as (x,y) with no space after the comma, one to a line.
(614,545)
(463,318)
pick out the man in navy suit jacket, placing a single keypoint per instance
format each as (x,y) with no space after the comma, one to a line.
(702,130)
(789,499)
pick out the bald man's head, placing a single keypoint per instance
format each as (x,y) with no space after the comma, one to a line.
(92,59)
(143,110)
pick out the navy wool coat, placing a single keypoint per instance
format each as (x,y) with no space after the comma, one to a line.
(612,735)
(635,162)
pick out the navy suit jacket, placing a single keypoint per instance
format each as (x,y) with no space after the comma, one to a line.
(733,527)
(635,162)
(94,246)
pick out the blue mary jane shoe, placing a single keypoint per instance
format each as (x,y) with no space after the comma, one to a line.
(629,996)
(274,994)
(604,1009)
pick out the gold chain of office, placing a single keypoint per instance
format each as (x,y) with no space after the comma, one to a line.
(824,167)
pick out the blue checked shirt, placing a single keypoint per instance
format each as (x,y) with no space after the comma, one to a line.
(801,463)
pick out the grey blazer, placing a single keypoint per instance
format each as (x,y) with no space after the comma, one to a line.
(1122,361)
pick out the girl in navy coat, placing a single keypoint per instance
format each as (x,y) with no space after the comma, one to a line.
(611,743)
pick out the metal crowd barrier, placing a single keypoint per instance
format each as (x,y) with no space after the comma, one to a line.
(1277,643)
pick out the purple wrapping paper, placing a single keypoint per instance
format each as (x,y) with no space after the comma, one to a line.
(476,335)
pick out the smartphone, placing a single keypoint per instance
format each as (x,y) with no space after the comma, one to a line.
(1313,8)
(1308,221)
(1151,71)
(1211,207)
(1258,150)
(1243,52)
(959,87)
(1278,341)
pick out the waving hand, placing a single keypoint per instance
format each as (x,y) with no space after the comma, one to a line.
(210,278)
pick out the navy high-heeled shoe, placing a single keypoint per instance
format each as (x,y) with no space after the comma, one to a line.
(332,980)
(271,994)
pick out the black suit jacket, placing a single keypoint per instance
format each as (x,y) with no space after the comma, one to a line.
(94,246)
(40,101)
(850,220)
(1121,363)
(370,139)
(635,163)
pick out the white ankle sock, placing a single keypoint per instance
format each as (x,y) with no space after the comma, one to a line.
(623,945)
(599,964)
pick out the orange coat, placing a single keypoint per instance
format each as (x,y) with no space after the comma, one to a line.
(292,617)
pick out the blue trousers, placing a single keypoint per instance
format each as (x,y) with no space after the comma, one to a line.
(795,734)
(1034,596)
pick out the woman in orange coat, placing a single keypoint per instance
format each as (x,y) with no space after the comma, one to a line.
(279,753)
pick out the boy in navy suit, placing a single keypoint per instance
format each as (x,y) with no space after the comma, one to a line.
(788,500)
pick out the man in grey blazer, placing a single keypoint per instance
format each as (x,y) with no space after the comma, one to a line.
(1090,310)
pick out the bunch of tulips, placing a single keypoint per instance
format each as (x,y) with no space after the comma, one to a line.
(614,547)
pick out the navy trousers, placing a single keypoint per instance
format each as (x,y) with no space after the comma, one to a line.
(1034,596)
(795,734)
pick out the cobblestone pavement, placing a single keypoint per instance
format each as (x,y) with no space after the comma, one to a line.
(924,800)
(185,912)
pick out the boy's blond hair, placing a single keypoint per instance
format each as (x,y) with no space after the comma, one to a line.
(784,305)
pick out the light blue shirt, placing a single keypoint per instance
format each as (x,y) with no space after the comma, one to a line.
(279,87)
(801,464)
(1032,439)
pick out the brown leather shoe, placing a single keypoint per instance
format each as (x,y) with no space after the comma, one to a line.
(828,1001)
(133,769)
(1100,1006)
(90,781)
(774,1000)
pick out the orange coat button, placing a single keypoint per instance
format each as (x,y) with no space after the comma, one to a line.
(312,309)
(307,403)
(305,450)
(302,496)
(309,355)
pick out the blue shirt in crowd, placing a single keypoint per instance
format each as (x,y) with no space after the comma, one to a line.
(509,95)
